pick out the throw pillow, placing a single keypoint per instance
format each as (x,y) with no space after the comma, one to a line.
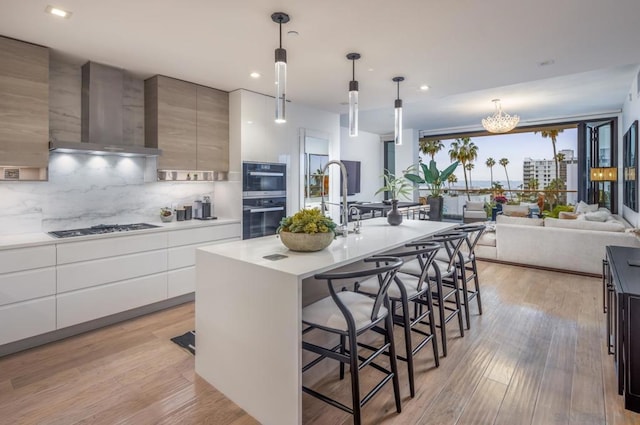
(583,207)
(597,216)
(515,210)
(475,206)
(566,215)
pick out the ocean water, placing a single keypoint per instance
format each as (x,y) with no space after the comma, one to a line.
(481,184)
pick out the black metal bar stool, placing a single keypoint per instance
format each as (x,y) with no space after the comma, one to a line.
(468,268)
(444,275)
(415,290)
(349,315)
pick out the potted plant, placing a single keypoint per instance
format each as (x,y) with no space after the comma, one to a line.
(396,186)
(166,214)
(434,179)
(307,230)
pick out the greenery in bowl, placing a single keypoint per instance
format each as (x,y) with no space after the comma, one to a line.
(307,221)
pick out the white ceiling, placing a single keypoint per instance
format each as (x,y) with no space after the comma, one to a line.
(468,51)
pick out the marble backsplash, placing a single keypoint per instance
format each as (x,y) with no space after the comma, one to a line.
(85,190)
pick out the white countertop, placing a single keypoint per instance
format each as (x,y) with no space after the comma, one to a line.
(25,240)
(375,236)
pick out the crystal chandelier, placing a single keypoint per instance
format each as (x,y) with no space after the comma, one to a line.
(500,122)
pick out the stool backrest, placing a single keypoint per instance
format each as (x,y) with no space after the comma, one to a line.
(385,267)
(424,252)
(474,232)
(451,242)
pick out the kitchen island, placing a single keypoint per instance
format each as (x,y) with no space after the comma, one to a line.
(249,310)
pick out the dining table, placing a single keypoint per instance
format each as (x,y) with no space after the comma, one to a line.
(383,207)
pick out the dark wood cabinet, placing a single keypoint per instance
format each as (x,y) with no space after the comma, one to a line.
(622,305)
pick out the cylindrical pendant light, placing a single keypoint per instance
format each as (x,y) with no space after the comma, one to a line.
(397,129)
(281,70)
(353,97)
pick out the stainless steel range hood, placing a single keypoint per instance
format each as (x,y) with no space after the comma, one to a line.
(102,116)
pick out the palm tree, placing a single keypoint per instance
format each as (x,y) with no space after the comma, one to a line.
(452,179)
(490,162)
(470,167)
(504,162)
(553,135)
(465,151)
(430,147)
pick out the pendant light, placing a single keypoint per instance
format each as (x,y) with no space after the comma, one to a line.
(281,69)
(398,121)
(353,97)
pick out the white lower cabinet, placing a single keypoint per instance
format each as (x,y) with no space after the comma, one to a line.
(27,292)
(51,287)
(28,318)
(181,281)
(98,272)
(100,301)
(181,258)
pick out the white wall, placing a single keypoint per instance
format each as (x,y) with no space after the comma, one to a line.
(368,149)
(630,113)
(262,140)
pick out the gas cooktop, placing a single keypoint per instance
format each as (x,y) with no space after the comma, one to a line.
(100,229)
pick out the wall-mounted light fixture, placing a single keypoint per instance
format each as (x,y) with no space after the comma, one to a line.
(281,70)
(398,115)
(604,174)
(353,97)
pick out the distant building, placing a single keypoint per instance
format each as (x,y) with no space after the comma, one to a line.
(544,171)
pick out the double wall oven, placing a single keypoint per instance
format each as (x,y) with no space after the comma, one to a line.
(264,198)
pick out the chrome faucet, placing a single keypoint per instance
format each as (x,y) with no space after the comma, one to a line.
(343,228)
(356,226)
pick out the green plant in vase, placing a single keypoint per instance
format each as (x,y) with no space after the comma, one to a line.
(434,179)
(396,187)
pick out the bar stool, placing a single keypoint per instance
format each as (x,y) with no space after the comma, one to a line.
(444,275)
(349,315)
(468,267)
(411,289)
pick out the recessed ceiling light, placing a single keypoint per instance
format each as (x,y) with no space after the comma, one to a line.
(293,33)
(547,62)
(58,12)
(255,75)
(424,87)
(370,69)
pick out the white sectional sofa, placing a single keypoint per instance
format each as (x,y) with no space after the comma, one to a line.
(572,245)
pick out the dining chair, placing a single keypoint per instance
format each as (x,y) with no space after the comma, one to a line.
(350,315)
(413,294)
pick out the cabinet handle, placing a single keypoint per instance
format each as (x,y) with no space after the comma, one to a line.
(259,210)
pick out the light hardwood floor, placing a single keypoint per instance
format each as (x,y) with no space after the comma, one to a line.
(536,356)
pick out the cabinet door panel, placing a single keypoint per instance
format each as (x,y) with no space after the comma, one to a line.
(26,285)
(97,272)
(13,260)
(213,129)
(176,124)
(181,281)
(109,247)
(26,319)
(203,234)
(92,303)
(24,104)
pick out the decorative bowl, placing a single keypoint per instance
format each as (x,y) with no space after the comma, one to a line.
(166,218)
(306,242)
